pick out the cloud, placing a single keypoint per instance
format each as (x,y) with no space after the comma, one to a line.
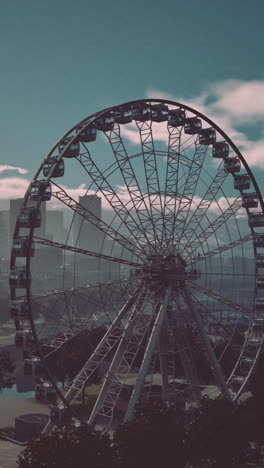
(6,167)
(231,104)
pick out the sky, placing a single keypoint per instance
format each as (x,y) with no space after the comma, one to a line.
(62,60)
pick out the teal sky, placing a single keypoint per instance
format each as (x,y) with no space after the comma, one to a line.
(62,60)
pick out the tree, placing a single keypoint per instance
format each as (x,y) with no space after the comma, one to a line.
(68,447)
(155,436)
(218,434)
(6,369)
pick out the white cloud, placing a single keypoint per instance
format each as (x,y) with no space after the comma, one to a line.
(6,167)
(230,104)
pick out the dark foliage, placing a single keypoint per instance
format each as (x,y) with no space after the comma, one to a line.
(6,369)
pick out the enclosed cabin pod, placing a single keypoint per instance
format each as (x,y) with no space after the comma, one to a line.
(245,365)
(24,338)
(260,282)
(73,149)
(159,112)
(19,310)
(141,112)
(105,123)
(256,219)
(58,170)
(22,247)
(192,126)
(19,278)
(258,240)
(45,392)
(207,136)
(176,117)
(40,191)
(237,382)
(259,304)
(242,182)
(29,218)
(33,366)
(252,346)
(123,115)
(232,165)
(258,325)
(60,414)
(87,134)
(220,149)
(260,260)
(249,200)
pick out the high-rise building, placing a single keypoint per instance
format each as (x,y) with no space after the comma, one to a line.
(85,234)
(15,206)
(55,229)
(4,226)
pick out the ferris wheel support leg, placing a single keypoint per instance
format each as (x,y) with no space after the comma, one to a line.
(211,355)
(148,355)
(110,376)
(163,359)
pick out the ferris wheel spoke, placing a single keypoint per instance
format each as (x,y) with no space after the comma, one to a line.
(214,226)
(89,253)
(108,230)
(104,187)
(172,175)
(205,203)
(130,179)
(239,308)
(187,191)
(87,287)
(217,371)
(152,180)
(222,248)
(107,344)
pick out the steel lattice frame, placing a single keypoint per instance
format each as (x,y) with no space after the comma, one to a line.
(177,224)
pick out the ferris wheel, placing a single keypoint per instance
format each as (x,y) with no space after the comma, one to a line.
(177,258)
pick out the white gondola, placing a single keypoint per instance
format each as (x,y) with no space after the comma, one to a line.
(259,304)
(207,136)
(73,149)
(252,346)
(22,247)
(44,392)
(159,112)
(258,240)
(260,282)
(256,219)
(19,310)
(237,382)
(60,414)
(58,170)
(220,149)
(242,182)
(260,260)
(232,165)
(192,125)
(141,112)
(249,200)
(33,366)
(19,278)
(29,217)
(40,191)
(245,365)
(105,124)
(176,117)
(87,135)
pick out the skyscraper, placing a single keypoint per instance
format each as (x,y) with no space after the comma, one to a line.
(85,234)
